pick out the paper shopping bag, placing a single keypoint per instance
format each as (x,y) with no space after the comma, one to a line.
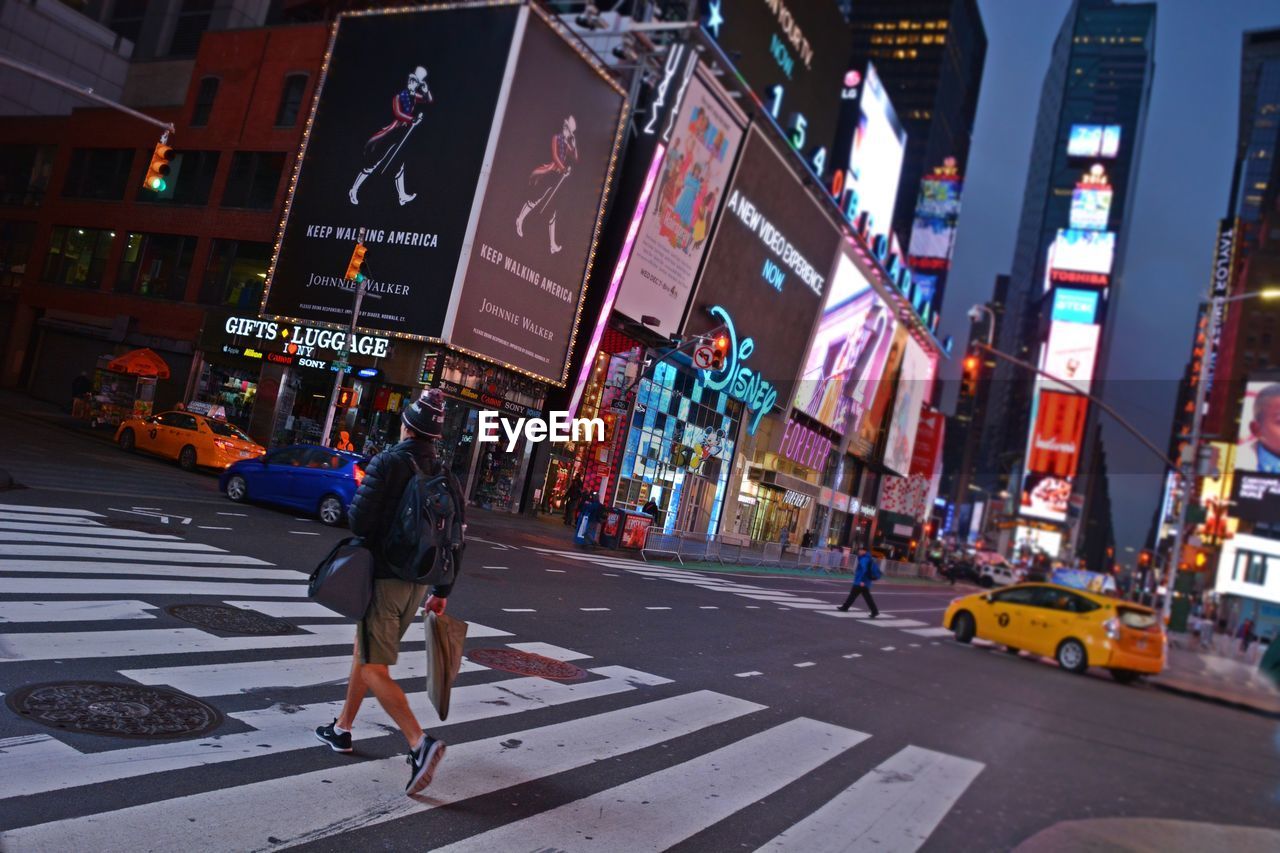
(445,638)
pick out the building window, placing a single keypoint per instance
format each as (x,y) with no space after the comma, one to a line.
(193,20)
(291,100)
(156,265)
(24,173)
(98,173)
(15,248)
(127,17)
(254,177)
(189,182)
(1254,565)
(237,270)
(205,97)
(77,256)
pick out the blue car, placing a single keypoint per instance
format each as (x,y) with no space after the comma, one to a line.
(305,477)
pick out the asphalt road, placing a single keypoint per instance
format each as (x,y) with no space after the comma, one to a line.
(720,710)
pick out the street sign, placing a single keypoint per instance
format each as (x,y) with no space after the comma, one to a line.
(702,357)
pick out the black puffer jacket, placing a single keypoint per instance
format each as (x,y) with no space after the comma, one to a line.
(376,500)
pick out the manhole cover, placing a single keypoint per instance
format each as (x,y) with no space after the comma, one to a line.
(231,620)
(525,663)
(113,709)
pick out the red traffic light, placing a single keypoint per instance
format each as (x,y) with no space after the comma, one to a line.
(971,362)
(344,397)
(719,351)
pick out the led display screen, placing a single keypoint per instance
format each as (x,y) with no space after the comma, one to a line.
(1090,207)
(1071,353)
(1075,306)
(1258,447)
(875,157)
(914,385)
(1094,140)
(1053,453)
(1084,251)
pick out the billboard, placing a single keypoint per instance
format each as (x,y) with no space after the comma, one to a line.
(682,209)
(401,94)
(453,253)
(1258,444)
(1090,207)
(914,384)
(1093,140)
(876,151)
(1074,306)
(879,396)
(937,212)
(849,350)
(535,236)
(1071,353)
(765,276)
(1053,454)
(1084,251)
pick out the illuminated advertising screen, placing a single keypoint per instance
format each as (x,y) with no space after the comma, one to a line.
(914,385)
(1071,353)
(765,276)
(1075,306)
(875,158)
(402,94)
(931,238)
(521,292)
(880,395)
(1084,251)
(1053,454)
(1258,444)
(792,54)
(687,193)
(1094,140)
(850,347)
(1090,207)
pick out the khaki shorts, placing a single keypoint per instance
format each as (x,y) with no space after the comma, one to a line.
(393,609)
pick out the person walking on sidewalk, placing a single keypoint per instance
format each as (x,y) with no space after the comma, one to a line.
(571,500)
(866,572)
(395,601)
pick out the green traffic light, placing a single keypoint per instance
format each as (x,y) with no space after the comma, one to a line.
(359,278)
(158,184)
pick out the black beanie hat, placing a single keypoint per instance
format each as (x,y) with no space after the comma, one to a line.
(426,415)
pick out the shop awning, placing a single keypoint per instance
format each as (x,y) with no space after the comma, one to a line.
(141,362)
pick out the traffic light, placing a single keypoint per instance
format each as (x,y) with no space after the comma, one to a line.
(159,168)
(344,397)
(719,351)
(1195,559)
(1144,558)
(972,369)
(354,265)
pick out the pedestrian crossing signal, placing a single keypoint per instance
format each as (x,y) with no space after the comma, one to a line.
(719,351)
(972,366)
(354,272)
(344,397)
(158,169)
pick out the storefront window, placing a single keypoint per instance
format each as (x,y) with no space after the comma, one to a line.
(234,389)
(235,275)
(156,265)
(77,256)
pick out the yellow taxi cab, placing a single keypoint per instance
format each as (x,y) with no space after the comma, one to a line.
(194,440)
(1078,629)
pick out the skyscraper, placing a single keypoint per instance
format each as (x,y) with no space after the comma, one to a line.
(929,54)
(1068,263)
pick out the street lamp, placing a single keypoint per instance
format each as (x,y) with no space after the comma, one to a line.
(977,312)
(1186,475)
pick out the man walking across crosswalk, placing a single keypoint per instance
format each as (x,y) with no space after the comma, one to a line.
(395,601)
(866,572)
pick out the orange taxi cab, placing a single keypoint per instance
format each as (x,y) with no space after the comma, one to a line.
(194,440)
(1079,629)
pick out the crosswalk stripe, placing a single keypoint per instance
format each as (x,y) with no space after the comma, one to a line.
(893,809)
(48,510)
(929,632)
(549,651)
(303,808)
(895,623)
(131,586)
(87,531)
(69,520)
(286,609)
(124,554)
(662,809)
(73,611)
(145,541)
(285,728)
(168,570)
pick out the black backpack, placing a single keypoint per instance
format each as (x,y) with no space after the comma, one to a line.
(424,538)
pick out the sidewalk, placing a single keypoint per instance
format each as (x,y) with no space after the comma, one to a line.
(1217,677)
(20,405)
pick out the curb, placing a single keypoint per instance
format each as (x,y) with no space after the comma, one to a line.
(56,422)
(1215,698)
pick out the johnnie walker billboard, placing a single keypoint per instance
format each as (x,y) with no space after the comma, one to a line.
(474,144)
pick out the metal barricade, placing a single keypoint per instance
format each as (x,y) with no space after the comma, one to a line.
(659,543)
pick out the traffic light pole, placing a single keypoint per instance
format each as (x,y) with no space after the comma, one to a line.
(84,92)
(341,363)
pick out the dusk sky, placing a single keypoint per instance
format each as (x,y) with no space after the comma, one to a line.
(1182,191)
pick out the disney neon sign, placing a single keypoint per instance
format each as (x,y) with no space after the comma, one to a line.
(737,380)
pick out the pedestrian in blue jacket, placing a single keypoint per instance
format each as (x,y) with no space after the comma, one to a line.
(866,572)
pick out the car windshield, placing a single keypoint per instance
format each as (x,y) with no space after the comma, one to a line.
(225,429)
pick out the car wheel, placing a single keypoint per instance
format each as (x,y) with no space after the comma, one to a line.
(127,441)
(1072,657)
(237,488)
(331,510)
(1013,651)
(963,625)
(187,458)
(1125,676)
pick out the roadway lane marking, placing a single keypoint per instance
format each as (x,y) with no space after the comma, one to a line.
(301,808)
(49,510)
(235,514)
(132,643)
(914,645)
(68,520)
(747,674)
(890,622)
(91,532)
(804,664)
(134,540)
(593,609)
(549,651)
(303,533)
(73,611)
(287,609)
(611,575)
(753,607)
(896,806)
(851,656)
(886,648)
(708,607)
(518,610)
(504,568)
(131,586)
(556,571)
(206,527)
(845,614)
(86,567)
(217,556)
(929,632)
(688,797)
(657,608)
